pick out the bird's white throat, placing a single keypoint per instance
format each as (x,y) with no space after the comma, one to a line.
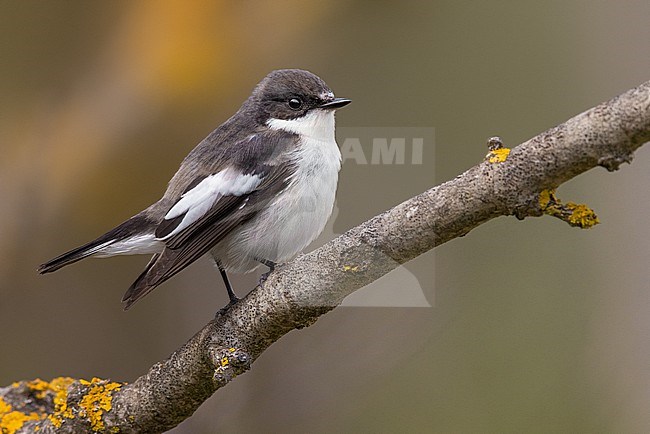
(316,125)
(318,152)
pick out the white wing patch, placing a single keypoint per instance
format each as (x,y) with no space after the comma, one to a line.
(196,202)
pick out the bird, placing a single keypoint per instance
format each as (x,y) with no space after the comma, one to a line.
(256,191)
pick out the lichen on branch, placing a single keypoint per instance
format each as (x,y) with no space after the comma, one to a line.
(38,405)
(577,215)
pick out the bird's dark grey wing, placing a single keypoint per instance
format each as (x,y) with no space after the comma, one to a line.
(208,211)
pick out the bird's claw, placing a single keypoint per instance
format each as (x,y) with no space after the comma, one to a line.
(233,301)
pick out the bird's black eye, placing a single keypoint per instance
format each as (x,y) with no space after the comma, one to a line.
(295,103)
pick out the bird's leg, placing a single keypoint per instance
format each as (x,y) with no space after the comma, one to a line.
(269,264)
(226,281)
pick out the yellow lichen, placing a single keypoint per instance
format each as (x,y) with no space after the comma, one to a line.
(581,215)
(11,421)
(574,214)
(61,410)
(498,155)
(39,386)
(350,268)
(14,420)
(4,407)
(545,198)
(97,400)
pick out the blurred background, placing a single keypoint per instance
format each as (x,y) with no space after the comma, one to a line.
(533,326)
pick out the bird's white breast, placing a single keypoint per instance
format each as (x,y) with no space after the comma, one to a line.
(299,214)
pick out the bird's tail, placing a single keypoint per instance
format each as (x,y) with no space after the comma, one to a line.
(75,255)
(142,286)
(135,225)
(161,267)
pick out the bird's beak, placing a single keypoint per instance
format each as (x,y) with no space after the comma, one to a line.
(336,103)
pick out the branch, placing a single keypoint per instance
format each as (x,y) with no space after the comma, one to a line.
(520,183)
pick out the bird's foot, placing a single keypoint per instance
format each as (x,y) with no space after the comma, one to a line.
(233,301)
(263,278)
(266,275)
